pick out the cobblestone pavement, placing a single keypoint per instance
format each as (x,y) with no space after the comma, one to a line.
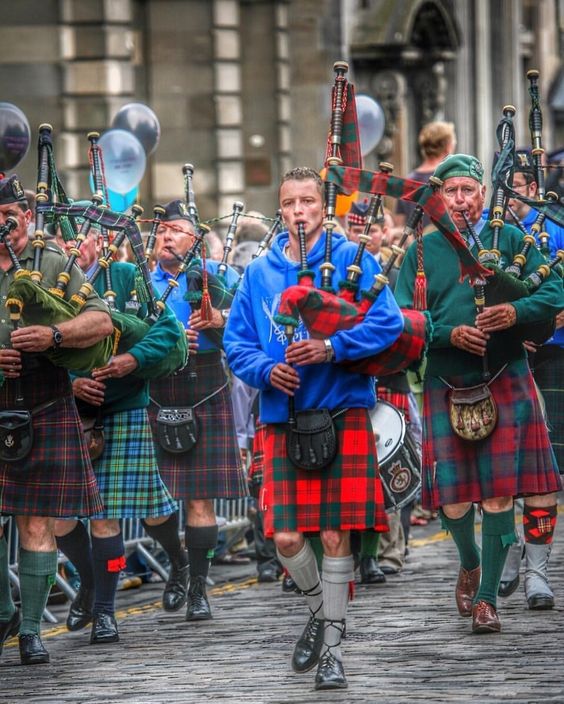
(405,643)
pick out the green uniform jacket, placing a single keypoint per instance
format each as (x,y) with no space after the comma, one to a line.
(53,262)
(451,302)
(130,391)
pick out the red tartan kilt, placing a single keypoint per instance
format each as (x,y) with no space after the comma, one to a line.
(347,495)
(515,460)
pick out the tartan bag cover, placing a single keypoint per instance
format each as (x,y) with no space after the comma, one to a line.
(324,313)
(516,459)
(347,495)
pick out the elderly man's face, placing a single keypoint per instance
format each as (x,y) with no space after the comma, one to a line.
(176,237)
(463,194)
(18,238)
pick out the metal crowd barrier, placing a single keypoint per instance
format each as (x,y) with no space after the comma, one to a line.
(231,516)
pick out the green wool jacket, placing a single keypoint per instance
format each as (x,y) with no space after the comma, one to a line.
(130,391)
(450,302)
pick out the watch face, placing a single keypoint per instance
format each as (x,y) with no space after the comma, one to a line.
(57,337)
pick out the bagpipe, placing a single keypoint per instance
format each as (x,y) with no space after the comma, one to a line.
(205,290)
(37,304)
(325,311)
(49,306)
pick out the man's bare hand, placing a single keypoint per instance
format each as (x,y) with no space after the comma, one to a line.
(469,339)
(11,363)
(192,338)
(119,366)
(197,323)
(495,318)
(33,338)
(89,390)
(284,378)
(306,352)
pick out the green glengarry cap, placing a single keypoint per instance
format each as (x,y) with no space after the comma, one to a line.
(460,165)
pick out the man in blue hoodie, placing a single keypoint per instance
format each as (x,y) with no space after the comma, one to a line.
(346,495)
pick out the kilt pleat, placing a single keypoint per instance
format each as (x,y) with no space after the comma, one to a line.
(127,472)
(516,459)
(347,495)
(549,375)
(212,469)
(56,479)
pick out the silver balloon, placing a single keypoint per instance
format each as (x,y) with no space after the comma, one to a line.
(142,122)
(14,136)
(371,122)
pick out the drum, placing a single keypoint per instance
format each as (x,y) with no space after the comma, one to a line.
(398,459)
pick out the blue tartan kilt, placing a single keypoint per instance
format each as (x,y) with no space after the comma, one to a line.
(127,471)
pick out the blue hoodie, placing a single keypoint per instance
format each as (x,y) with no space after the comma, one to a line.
(254,343)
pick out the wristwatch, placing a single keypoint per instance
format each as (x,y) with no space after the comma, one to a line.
(329,351)
(57,337)
(224,314)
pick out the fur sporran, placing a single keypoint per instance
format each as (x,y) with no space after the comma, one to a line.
(472,412)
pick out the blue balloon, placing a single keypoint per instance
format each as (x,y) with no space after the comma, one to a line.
(124,160)
(119,202)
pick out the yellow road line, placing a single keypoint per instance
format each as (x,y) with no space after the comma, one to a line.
(229,588)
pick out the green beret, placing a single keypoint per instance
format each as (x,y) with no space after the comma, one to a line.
(460,165)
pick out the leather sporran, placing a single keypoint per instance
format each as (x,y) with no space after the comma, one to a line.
(16,435)
(472,412)
(177,429)
(93,428)
(311,443)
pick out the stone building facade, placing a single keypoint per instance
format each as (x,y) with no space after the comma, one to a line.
(241,87)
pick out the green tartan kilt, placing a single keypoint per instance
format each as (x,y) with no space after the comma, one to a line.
(515,460)
(127,471)
(212,468)
(56,479)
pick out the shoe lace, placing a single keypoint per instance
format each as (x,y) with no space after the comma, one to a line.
(316,590)
(328,657)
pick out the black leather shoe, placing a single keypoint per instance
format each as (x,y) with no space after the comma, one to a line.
(80,612)
(104,629)
(10,628)
(507,588)
(388,569)
(307,649)
(32,651)
(288,584)
(268,574)
(198,605)
(330,673)
(370,572)
(176,587)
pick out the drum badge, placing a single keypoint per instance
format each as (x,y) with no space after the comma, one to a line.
(9,441)
(400,477)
